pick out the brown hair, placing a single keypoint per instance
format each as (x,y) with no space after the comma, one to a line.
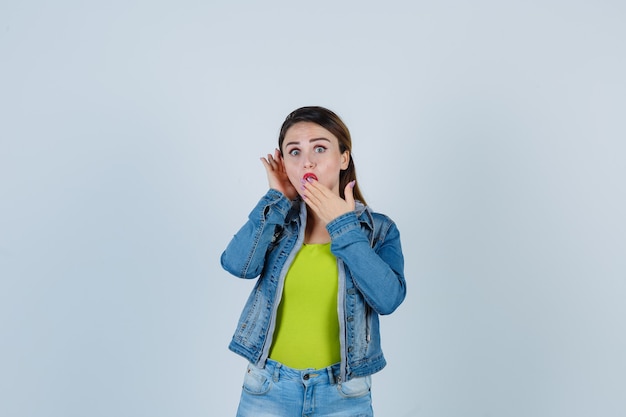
(331,122)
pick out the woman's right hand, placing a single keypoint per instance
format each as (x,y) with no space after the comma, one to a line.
(277,176)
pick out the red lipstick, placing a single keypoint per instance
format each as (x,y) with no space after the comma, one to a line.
(309,175)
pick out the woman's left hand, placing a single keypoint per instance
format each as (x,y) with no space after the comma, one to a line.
(326,204)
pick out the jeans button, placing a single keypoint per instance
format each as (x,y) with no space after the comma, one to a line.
(306,377)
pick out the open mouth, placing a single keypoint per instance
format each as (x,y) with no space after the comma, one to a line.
(309,176)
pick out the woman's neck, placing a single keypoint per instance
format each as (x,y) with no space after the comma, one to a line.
(315,231)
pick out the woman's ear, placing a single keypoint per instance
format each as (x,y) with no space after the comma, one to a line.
(345,160)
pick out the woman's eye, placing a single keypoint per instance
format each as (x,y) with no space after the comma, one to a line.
(320,149)
(294,152)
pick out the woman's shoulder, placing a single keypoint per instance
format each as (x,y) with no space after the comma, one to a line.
(375,218)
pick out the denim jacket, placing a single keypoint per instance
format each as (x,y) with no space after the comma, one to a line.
(371,277)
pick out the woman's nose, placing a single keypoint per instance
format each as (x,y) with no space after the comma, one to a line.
(308,161)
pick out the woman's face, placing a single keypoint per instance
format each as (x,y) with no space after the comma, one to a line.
(309,148)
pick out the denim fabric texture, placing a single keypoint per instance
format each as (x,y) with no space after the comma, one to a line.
(371,277)
(280,391)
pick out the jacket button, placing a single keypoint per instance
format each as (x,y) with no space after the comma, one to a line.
(350,318)
(350,348)
(351,291)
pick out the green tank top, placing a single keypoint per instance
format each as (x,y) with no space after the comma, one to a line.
(307,324)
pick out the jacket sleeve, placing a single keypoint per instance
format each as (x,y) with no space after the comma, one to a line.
(244,256)
(378,272)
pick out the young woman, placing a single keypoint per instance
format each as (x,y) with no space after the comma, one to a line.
(327,267)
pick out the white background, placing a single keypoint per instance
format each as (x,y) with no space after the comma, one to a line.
(492,132)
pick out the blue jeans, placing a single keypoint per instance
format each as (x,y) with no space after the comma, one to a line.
(280,391)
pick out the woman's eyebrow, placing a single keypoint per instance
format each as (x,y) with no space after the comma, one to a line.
(310,141)
(318,139)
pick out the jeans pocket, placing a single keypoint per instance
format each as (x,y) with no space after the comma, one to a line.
(356,387)
(255,382)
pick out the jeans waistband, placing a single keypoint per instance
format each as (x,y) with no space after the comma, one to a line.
(330,374)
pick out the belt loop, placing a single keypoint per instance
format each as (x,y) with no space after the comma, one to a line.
(331,375)
(277,371)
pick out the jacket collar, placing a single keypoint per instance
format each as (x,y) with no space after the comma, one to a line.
(363,212)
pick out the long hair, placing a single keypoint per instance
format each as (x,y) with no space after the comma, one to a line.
(331,122)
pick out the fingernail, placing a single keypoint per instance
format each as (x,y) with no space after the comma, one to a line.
(352,183)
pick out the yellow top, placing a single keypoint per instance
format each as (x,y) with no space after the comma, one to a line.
(307,324)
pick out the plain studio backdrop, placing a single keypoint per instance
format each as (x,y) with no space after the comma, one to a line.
(492,133)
